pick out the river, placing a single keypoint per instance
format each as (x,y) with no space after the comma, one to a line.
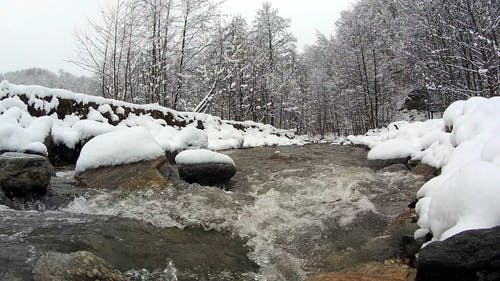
(284,216)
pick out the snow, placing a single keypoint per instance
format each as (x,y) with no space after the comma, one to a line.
(36,147)
(73,129)
(19,131)
(425,141)
(96,116)
(197,156)
(8,103)
(191,137)
(466,194)
(119,147)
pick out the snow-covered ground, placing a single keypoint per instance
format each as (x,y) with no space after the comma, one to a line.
(465,144)
(29,114)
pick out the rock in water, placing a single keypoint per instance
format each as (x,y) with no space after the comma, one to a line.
(382,163)
(395,168)
(424,170)
(77,266)
(129,176)
(207,173)
(205,167)
(22,174)
(468,256)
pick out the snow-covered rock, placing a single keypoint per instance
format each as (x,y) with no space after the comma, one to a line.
(197,156)
(467,193)
(205,167)
(120,147)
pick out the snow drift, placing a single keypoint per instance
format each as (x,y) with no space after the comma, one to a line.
(465,144)
(29,115)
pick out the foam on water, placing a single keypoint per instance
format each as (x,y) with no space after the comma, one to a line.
(278,215)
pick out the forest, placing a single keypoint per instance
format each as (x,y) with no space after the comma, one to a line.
(384,55)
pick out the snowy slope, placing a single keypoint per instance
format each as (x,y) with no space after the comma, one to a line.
(30,114)
(465,144)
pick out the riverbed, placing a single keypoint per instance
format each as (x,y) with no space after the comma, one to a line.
(288,213)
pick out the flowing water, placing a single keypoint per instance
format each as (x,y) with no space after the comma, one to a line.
(305,210)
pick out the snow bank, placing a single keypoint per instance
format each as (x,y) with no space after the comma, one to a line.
(197,156)
(467,193)
(119,147)
(404,139)
(21,132)
(72,118)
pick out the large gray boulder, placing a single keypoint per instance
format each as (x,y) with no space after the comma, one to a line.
(22,174)
(468,256)
(77,266)
(205,167)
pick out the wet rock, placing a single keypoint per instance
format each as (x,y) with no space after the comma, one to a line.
(77,266)
(128,176)
(22,174)
(391,270)
(169,171)
(395,168)
(60,154)
(205,167)
(468,256)
(207,173)
(4,200)
(278,155)
(425,170)
(171,155)
(382,163)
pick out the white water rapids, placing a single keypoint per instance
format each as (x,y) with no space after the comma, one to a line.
(318,210)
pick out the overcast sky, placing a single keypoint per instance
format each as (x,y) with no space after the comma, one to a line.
(40,33)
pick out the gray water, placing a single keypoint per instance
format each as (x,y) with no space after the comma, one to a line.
(316,208)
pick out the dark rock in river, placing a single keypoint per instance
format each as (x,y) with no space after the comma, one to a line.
(471,255)
(60,154)
(379,163)
(129,176)
(77,266)
(22,174)
(425,170)
(207,173)
(395,168)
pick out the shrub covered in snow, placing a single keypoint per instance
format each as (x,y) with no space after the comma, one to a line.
(467,193)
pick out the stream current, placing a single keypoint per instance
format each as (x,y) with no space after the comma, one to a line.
(305,210)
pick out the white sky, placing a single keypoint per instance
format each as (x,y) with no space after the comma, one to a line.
(40,33)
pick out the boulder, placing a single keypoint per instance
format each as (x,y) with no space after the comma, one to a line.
(77,266)
(395,168)
(207,173)
(468,256)
(205,167)
(22,174)
(425,171)
(382,163)
(390,270)
(127,176)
